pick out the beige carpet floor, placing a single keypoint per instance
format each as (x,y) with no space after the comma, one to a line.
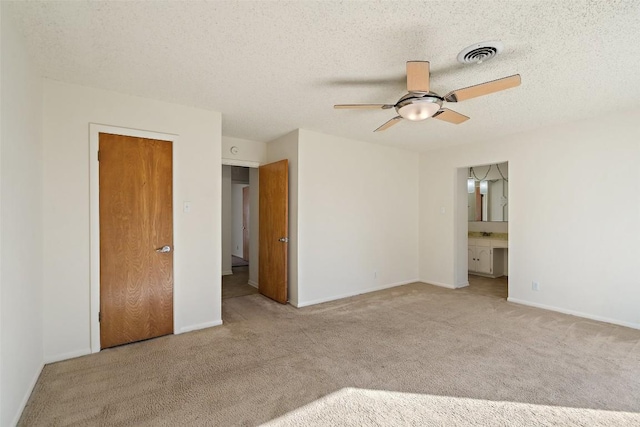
(411,355)
(480,285)
(236,284)
(358,407)
(236,261)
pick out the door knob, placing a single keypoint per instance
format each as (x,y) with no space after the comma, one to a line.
(283,239)
(164,249)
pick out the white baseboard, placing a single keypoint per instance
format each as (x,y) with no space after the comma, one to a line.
(200,326)
(65,356)
(575,313)
(27,395)
(351,294)
(442,285)
(227,273)
(252,283)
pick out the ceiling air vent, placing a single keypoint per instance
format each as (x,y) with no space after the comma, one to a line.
(480,52)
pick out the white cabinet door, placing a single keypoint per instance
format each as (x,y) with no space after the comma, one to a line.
(483,259)
(472,258)
(480,257)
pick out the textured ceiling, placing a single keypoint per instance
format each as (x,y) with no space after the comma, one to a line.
(271,67)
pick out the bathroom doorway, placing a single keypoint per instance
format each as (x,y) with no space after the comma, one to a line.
(484,233)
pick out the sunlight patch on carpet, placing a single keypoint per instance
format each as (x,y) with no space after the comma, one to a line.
(352,406)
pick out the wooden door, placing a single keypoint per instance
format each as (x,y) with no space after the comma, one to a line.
(274,229)
(245,223)
(136,221)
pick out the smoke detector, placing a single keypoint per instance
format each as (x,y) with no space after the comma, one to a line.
(480,52)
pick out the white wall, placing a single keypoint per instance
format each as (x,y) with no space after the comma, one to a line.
(358,217)
(574,215)
(254,224)
(237,248)
(226,220)
(21,355)
(248,151)
(68,110)
(286,147)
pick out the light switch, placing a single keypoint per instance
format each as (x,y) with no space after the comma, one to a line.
(186,207)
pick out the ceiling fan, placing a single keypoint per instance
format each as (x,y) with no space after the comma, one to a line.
(420,104)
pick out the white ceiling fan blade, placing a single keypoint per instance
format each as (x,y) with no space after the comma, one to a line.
(483,89)
(450,116)
(418,76)
(388,124)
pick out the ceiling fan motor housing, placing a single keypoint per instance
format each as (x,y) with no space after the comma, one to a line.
(416,106)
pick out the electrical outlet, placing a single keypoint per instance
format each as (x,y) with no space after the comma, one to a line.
(535,286)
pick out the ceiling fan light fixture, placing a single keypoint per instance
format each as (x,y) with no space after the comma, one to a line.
(418,111)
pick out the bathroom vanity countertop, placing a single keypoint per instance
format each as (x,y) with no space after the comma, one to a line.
(491,236)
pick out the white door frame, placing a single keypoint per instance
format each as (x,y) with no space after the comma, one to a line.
(247,164)
(461,230)
(94,215)
(244,163)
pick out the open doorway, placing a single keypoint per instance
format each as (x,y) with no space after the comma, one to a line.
(239,231)
(487,229)
(255,235)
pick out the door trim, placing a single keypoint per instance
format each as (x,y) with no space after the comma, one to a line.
(243,163)
(94,220)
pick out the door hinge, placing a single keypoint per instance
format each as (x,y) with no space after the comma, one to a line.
(98,155)
(99,316)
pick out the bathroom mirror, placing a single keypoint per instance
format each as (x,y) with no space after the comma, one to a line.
(490,203)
